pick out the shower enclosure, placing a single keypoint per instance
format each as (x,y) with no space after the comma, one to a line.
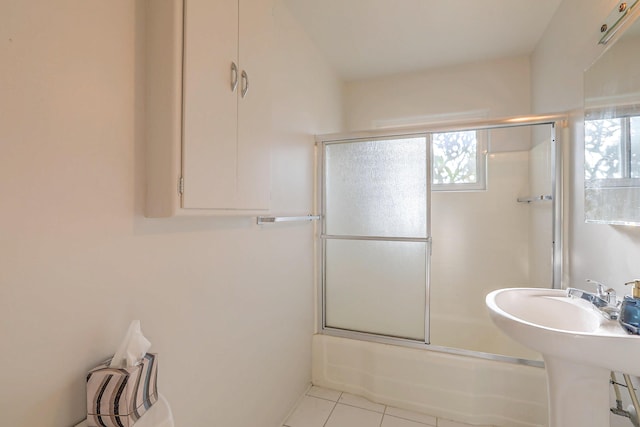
(419,224)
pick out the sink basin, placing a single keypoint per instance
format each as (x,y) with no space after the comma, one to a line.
(551,323)
(578,344)
(545,308)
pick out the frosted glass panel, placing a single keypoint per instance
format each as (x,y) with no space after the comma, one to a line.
(613,205)
(377,188)
(376,287)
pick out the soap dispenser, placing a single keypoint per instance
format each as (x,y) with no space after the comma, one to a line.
(630,309)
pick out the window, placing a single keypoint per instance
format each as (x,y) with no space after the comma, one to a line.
(612,167)
(457,161)
(612,150)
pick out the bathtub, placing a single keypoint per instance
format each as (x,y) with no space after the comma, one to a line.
(460,388)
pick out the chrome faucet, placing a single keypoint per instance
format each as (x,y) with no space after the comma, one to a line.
(604,299)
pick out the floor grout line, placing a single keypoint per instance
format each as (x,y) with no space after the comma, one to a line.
(321,398)
(359,407)
(330,413)
(384,413)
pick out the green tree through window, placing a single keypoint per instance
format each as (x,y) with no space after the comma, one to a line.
(603,149)
(612,148)
(455,158)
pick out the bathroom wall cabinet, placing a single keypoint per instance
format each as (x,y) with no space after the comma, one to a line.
(208,106)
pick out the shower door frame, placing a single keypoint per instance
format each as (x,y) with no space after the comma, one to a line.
(555,121)
(324,237)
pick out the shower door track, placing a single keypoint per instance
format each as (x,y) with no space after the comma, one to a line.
(404,342)
(377,239)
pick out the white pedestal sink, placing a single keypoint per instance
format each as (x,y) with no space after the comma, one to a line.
(579,347)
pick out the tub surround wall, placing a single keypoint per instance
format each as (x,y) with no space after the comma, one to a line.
(540,213)
(459,388)
(227,305)
(480,243)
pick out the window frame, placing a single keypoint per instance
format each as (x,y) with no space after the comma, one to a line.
(481,165)
(625,141)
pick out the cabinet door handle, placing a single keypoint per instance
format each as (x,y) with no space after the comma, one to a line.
(234,76)
(245,83)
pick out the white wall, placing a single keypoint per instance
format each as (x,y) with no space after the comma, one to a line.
(488,89)
(606,253)
(226,304)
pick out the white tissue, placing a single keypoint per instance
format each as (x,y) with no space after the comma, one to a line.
(132,349)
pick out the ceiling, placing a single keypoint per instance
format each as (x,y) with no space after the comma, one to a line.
(368,38)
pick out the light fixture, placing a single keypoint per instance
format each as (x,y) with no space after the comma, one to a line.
(617,19)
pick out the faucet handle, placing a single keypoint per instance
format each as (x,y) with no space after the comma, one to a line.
(610,296)
(600,288)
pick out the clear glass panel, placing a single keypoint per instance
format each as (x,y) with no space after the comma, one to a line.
(486,240)
(454,157)
(376,287)
(603,156)
(377,188)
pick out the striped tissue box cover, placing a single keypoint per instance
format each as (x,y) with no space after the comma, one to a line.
(117,397)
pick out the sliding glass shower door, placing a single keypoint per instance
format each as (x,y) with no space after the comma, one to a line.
(489,196)
(376,236)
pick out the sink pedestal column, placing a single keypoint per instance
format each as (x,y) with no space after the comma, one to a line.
(578,394)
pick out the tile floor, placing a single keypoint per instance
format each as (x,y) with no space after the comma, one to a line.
(321,407)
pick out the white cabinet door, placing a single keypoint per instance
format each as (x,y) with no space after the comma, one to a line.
(254,108)
(210,128)
(203,130)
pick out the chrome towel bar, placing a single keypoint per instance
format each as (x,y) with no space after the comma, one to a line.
(272,219)
(541,198)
